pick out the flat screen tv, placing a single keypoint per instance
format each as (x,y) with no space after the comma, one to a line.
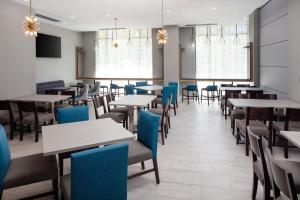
(48,46)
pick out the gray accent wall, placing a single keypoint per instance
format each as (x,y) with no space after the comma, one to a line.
(89,55)
(273,47)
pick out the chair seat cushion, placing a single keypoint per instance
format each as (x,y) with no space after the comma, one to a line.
(238,114)
(117,117)
(158,111)
(65,183)
(30,169)
(293,126)
(119,109)
(257,127)
(138,152)
(43,117)
(5,118)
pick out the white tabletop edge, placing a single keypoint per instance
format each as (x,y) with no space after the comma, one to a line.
(287,135)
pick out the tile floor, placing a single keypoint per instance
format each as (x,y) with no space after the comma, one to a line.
(199,161)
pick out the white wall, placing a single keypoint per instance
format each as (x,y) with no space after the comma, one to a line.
(17,53)
(294,49)
(64,68)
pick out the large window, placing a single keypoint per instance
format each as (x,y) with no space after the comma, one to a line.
(221,59)
(132,59)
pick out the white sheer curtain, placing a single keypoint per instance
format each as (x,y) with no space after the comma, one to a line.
(128,60)
(221,60)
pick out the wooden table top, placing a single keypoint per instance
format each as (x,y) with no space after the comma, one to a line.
(150,88)
(68,137)
(264,103)
(41,98)
(134,100)
(292,136)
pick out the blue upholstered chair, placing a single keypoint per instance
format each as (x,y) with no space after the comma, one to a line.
(25,170)
(98,174)
(73,114)
(129,90)
(174,100)
(145,147)
(115,89)
(210,93)
(190,89)
(142,83)
(82,98)
(70,115)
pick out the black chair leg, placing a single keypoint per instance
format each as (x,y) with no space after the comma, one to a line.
(21,131)
(55,188)
(11,131)
(143,165)
(36,133)
(156,171)
(61,165)
(254,186)
(174,105)
(162,134)
(1,193)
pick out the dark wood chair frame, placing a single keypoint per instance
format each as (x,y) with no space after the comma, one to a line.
(226,104)
(194,96)
(207,96)
(260,114)
(6,106)
(32,108)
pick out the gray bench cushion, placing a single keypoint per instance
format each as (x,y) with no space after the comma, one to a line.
(138,152)
(30,169)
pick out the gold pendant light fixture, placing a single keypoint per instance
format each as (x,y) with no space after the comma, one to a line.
(147,42)
(162,34)
(222,39)
(31,24)
(114,40)
(236,40)
(207,38)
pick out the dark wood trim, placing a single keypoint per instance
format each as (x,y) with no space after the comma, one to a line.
(119,79)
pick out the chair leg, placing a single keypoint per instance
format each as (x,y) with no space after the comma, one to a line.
(61,165)
(21,131)
(166,130)
(162,135)
(55,188)
(156,170)
(169,121)
(254,186)
(174,105)
(267,191)
(233,126)
(247,143)
(238,137)
(36,133)
(1,193)
(143,165)
(11,131)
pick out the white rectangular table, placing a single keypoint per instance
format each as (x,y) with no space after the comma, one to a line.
(132,101)
(42,98)
(63,138)
(292,136)
(241,88)
(264,103)
(150,88)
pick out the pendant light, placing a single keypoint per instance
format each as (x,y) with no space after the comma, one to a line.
(236,40)
(162,34)
(207,39)
(31,24)
(147,42)
(222,39)
(129,43)
(193,42)
(114,39)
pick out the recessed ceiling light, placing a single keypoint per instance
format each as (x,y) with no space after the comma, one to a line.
(168,11)
(108,15)
(72,17)
(213,8)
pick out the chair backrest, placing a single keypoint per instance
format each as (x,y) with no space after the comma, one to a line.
(114,86)
(141,83)
(255,92)
(108,98)
(282,178)
(28,107)
(176,84)
(173,93)
(230,92)
(4,155)
(69,93)
(166,93)
(96,87)
(129,89)
(261,114)
(226,85)
(292,114)
(6,106)
(242,85)
(267,96)
(98,102)
(192,87)
(243,96)
(100,173)
(72,114)
(85,92)
(148,130)
(212,88)
(51,92)
(258,153)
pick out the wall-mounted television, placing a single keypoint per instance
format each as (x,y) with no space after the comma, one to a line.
(48,46)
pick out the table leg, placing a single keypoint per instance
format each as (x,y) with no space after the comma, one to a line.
(131,118)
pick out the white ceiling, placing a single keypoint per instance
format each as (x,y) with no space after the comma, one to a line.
(88,15)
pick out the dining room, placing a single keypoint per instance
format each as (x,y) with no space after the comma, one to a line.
(181,100)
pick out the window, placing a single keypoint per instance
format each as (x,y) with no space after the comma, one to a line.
(221,60)
(128,60)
